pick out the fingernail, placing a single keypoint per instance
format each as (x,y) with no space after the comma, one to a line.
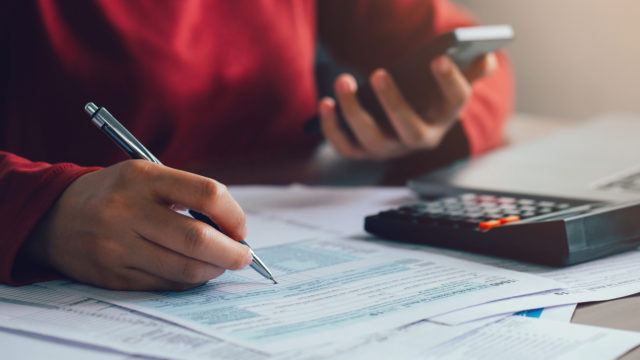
(347,84)
(326,103)
(379,78)
(442,65)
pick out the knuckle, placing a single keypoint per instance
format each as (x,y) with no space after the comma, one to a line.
(195,238)
(211,189)
(135,169)
(417,139)
(430,142)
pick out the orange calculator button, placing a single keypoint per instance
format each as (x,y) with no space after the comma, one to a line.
(486,225)
(509,219)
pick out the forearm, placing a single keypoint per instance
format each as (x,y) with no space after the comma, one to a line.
(27,189)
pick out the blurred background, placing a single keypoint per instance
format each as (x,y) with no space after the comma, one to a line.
(573,58)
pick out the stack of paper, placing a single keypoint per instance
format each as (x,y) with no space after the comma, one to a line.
(339,296)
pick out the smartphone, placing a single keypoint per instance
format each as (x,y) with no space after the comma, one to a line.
(412,75)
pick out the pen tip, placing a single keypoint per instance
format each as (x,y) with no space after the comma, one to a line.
(274,281)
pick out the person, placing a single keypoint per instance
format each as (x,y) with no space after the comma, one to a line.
(200,83)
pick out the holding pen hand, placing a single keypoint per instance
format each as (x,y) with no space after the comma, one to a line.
(115,228)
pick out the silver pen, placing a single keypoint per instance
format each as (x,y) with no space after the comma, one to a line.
(102,119)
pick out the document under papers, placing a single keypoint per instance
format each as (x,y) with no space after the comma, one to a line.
(525,338)
(328,290)
(336,210)
(60,314)
(66,315)
(605,279)
(17,345)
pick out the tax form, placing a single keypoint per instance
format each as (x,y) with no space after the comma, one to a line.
(60,315)
(343,210)
(604,279)
(515,338)
(66,315)
(329,289)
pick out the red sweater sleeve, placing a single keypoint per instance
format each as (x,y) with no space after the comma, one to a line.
(27,190)
(368,34)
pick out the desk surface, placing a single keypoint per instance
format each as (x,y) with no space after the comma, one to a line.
(618,314)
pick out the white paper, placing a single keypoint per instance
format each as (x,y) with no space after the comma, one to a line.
(338,210)
(63,316)
(525,338)
(599,280)
(66,315)
(510,338)
(328,290)
(16,345)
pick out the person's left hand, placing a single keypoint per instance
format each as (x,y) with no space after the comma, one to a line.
(413,131)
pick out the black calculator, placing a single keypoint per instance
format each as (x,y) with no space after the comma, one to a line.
(544,230)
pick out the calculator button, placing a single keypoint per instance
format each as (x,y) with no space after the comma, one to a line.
(546,204)
(486,225)
(487,198)
(527,208)
(468,196)
(526,202)
(509,219)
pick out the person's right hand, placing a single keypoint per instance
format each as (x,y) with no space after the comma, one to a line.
(114,228)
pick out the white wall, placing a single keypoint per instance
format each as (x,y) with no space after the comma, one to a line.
(573,58)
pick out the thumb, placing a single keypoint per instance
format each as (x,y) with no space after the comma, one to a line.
(481,67)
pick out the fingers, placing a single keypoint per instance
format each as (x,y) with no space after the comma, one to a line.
(334,134)
(193,239)
(169,265)
(455,88)
(201,194)
(412,130)
(481,67)
(367,132)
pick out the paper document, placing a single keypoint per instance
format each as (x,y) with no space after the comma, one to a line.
(17,345)
(57,314)
(328,290)
(66,315)
(339,210)
(510,338)
(605,279)
(525,338)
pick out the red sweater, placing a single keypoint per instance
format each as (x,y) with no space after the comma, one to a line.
(196,81)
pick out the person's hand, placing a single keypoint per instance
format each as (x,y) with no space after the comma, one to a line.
(115,228)
(413,131)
